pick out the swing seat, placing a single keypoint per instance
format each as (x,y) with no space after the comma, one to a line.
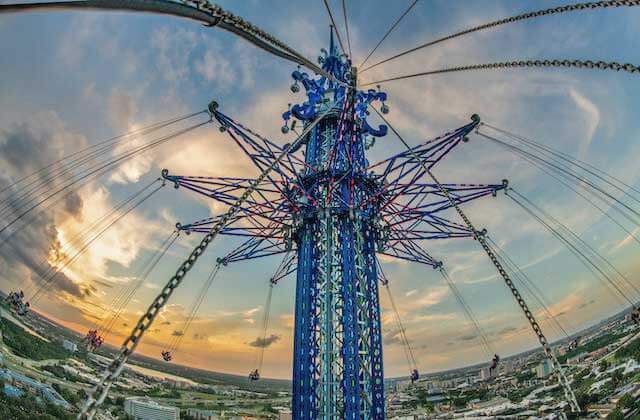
(166,355)
(254,375)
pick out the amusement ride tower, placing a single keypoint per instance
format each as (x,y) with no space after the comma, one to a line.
(330,211)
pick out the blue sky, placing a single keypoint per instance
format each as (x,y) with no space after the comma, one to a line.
(70,79)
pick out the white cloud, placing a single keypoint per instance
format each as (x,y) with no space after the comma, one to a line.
(591,118)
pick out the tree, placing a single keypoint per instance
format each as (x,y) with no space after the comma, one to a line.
(617,377)
(583,399)
(604,365)
(627,401)
(616,415)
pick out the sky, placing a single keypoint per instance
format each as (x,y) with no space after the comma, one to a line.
(75,78)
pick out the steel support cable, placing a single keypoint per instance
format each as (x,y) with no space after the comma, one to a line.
(577,64)
(265,326)
(568,172)
(80,161)
(267,311)
(598,274)
(94,172)
(140,279)
(88,243)
(403,332)
(604,212)
(564,156)
(546,12)
(346,26)
(406,348)
(482,336)
(216,16)
(67,263)
(142,130)
(529,285)
(99,393)
(560,160)
(175,345)
(38,186)
(569,395)
(391,29)
(335,27)
(108,165)
(578,239)
(116,301)
(80,238)
(575,250)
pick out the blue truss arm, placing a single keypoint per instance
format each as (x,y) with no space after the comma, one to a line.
(255,248)
(433,200)
(227,190)
(259,149)
(404,167)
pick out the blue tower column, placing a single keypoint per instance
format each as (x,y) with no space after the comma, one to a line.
(338,370)
(304,404)
(375,328)
(351,374)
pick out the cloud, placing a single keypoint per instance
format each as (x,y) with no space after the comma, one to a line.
(469,337)
(591,117)
(24,149)
(433,296)
(391,336)
(172,51)
(626,240)
(215,67)
(265,342)
(122,109)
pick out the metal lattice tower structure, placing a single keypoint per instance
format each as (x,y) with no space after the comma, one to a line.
(339,212)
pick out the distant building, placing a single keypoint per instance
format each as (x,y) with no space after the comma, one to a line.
(544,369)
(487,373)
(12,392)
(481,405)
(145,409)
(44,390)
(285,415)
(577,359)
(70,346)
(202,414)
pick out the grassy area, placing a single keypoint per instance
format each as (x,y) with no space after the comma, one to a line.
(592,345)
(630,350)
(29,346)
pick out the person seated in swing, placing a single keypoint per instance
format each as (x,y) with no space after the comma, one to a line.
(414,375)
(254,375)
(22,309)
(166,355)
(494,363)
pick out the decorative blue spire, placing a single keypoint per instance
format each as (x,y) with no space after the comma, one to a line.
(323,93)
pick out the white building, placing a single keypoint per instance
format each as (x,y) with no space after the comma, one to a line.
(544,369)
(145,409)
(487,373)
(70,346)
